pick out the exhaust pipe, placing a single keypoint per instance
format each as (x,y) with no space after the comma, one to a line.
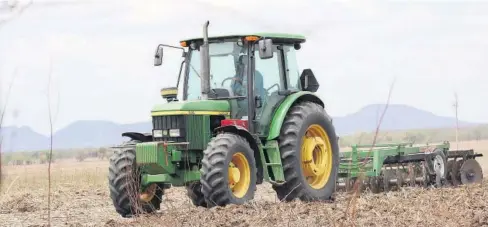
(205,63)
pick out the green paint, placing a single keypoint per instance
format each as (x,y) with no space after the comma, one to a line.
(282,110)
(193,157)
(195,105)
(198,132)
(272,162)
(148,179)
(167,163)
(369,159)
(188,176)
(283,36)
(147,153)
(154,157)
(263,162)
(176,156)
(175,180)
(194,129)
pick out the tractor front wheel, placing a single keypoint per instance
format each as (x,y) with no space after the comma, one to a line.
(228,173)
(309,153)
(125,184)
(194,191)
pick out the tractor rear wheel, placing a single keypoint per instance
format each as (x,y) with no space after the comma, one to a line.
(124,183)
(309,153)
(228,173)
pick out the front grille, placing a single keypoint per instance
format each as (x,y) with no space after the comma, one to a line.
(194,129)
(170,122)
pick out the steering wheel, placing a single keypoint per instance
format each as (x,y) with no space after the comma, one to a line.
(226,79)
(274,85)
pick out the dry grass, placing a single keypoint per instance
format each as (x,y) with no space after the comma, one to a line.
(81,198)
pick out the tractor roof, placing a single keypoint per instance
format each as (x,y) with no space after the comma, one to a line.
(278,37)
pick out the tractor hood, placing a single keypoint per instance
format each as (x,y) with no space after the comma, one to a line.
(200,107)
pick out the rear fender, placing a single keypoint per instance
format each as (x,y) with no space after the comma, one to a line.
(282,110)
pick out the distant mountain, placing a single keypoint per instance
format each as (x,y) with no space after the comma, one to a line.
(80,134)
(95,133)
(23,138)
(104,133)
(397,117)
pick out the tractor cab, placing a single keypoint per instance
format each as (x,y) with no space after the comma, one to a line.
(252,72)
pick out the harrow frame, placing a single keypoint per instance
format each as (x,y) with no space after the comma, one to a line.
(383,165)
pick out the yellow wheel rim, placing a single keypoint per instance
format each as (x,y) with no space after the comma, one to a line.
(316,156)
(239,175)
(148,194)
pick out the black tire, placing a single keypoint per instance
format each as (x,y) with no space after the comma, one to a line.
(215,170)
(441,172)
(124,184)
(299,118)
(194,192)
(440,153)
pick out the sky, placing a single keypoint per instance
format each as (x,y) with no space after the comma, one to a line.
(94,59)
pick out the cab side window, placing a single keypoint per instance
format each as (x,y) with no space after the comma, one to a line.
(267,77)
(292,69)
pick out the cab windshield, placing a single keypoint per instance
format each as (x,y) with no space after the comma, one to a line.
(228,67)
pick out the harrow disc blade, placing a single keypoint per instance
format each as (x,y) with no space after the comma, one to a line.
(425,175)
(374,184)
(412,174)
(450,177)
(453,172)
(386,180)
(456,171)
(399,177)
(471,172)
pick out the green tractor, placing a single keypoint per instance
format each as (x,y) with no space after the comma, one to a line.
(238,121)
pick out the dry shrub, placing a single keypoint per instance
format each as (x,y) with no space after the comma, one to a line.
(20,203)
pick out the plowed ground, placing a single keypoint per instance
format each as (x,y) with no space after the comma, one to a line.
(80,198)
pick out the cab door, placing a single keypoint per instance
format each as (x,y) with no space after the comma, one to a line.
(269,80)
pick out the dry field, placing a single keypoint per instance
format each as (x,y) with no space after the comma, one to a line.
(80,198)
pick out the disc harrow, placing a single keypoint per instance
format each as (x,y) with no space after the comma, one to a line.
(386,167)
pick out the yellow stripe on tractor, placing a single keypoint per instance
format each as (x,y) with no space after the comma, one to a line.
(180,112)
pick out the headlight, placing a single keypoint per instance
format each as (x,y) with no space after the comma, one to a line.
(174,133)
(157,133)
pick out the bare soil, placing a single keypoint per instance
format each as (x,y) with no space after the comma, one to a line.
(80,197)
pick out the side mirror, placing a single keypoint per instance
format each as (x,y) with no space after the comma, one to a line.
(308,81)
(265,48)
(158,57)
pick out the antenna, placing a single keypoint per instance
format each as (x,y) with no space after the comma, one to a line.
(456,105)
